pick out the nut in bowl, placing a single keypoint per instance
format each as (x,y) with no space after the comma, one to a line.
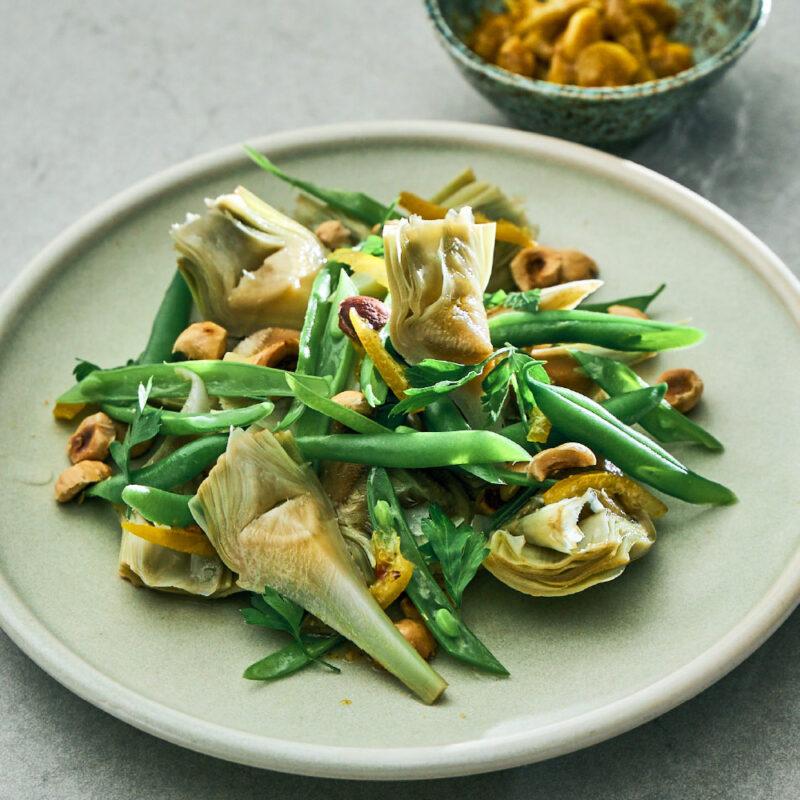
(539,90)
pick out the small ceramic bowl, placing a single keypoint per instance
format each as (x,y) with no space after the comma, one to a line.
(719,30)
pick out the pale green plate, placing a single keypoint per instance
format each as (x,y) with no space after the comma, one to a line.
(585,668)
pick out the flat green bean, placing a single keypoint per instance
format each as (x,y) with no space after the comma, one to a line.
(523,328)
(176,423)
(170,320)
(158,506)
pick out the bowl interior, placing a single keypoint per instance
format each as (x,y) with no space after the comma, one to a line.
(708,25)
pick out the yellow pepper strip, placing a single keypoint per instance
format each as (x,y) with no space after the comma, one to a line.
(505,232)
(632,495)
(390,370)
(364,263)
(393,571)
(184,540)
(67,410)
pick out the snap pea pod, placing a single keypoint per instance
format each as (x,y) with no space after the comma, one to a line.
(522,328)
(158,506)
(185,463)
(171,318)
(221,378)
(291,658)
(583,420)
(412,450)
(440,615)
(372,384)
(663,422)
(176,423)
(632,406)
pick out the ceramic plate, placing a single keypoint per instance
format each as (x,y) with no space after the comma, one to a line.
(584,668)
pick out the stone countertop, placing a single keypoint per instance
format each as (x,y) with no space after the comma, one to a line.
(97,95)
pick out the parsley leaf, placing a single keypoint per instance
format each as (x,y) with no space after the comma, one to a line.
(519,301)
(372,245)
(83,368)
(460,550)
(144,426)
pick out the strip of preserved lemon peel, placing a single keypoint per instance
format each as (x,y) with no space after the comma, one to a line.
(67,410)
(391,372)
(505,231)
(633,495)
(364,263)
(184,540)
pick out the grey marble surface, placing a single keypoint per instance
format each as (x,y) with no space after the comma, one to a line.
(98,94)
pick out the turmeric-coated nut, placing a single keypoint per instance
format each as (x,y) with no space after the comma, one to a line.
(490,34)
(418,636)
(684,388)
(515,57)
(669,58)
(606,64)
(664,14)
(202,340)
(540,267)
(76,478)
(626,311)
(571,455)
(92,438)
(584,28)
(333,234)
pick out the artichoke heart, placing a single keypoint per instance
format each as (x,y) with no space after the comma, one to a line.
(438,271)
(565,547)
(270,521)
(248,266)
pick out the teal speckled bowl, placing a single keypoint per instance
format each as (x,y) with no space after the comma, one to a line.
(719,30)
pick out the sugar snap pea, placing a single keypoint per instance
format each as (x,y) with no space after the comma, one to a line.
(179,424)
(291,658)
(428,597)
(663,421)
(632,406)
(522,328)
(158,506)
(185,463)
(583,420)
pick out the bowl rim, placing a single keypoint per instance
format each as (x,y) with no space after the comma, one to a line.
(759,13)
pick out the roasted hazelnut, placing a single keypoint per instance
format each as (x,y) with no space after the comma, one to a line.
(353,400)
(76,478)
(684,388)
(333,234)
(91,440)
(267,347)
(418,636)
(540,267)
(370,309)
(202,340)
(409,609)
(626,311)
(571,455)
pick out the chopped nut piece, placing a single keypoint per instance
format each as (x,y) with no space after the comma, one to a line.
(627,311)
(92,438)
(540,267)
(515,57)
(353,400)
(267,348)
(77,477)
(418,636)
(606,64)
(584,28)
(202,340)
(370,309)
(333,234)
(409,609)
(684,388)
(565,456)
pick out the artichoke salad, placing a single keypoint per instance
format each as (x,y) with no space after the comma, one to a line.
(375,402)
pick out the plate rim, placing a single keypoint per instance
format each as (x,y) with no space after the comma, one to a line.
(474,755)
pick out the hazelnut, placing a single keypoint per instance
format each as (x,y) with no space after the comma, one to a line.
(626,311)
(540,267)
(684,388)
(370,309)
(92,438)
(76,478)
(418,636)
(268,347)
(353,400)
(409,609)
(202,340)
(566,456)
(333,234)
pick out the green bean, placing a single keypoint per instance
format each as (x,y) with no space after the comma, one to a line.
(583,420)
(324,405)
(291,658)
(178,424)
(663,422)
(522,328)
(428,597)
(372,384)
(632,406)
(222,379)
(158,506)
(412,450)
(641,301)
(171,318)
(185,463)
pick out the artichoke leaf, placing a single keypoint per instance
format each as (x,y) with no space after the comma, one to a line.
(271,522)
